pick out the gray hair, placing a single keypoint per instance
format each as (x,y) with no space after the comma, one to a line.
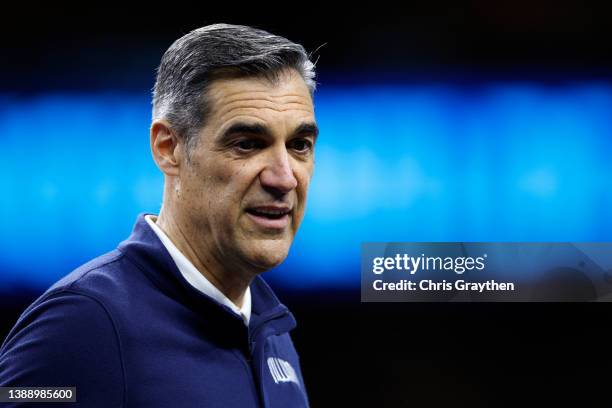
(193,61)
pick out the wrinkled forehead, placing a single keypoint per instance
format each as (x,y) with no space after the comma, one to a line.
(284,96)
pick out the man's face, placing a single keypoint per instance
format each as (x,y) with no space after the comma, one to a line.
(244,186)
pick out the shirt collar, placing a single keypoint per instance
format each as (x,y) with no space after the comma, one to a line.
(197,279)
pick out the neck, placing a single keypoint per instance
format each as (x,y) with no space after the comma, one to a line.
(231,283)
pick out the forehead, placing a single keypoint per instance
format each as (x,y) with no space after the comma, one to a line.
(260,99)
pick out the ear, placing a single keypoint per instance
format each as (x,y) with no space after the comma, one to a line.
(165,147)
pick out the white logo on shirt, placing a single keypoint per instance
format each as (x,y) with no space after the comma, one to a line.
(282,371)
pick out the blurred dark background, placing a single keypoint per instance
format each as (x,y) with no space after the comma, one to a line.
(353,353)
(103,47)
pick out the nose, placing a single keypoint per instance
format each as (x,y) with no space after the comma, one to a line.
(277,176)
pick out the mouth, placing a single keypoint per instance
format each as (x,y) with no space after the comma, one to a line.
(270,217)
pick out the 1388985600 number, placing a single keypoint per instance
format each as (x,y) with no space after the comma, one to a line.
(37,394)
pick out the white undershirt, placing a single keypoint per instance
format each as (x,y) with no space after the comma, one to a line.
(196,279)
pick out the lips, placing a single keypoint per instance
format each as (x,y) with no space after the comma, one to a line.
(270,216)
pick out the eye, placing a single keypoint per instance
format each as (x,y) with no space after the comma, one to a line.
(248,145)
(301,145)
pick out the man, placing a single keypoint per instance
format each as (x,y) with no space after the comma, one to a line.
(178,315)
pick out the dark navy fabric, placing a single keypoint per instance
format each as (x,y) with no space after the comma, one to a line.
(129,331)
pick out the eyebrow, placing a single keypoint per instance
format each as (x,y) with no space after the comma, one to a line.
(242,127)
(309,128)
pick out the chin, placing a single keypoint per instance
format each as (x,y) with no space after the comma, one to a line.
(267,255)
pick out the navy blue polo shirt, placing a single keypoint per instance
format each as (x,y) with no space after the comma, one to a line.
(128,330)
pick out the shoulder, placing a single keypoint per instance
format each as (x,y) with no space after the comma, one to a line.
(65,338)
(89,274)
(110,280)
(72,301)
(69,337)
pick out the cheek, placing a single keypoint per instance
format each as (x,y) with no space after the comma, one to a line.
(214,173)
(304,176)
(226,186)
(203,187)
(302,190)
